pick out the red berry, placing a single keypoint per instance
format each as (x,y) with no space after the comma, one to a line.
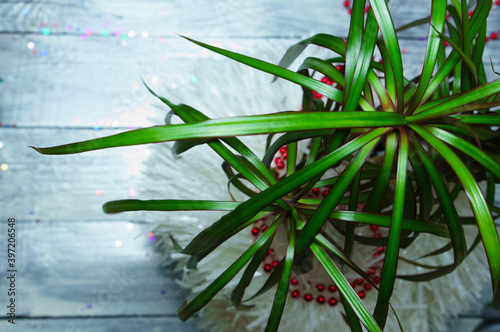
(362,295)
(283,149)
(320,287)
(367,286)
(267,268)
(281,165)
(359,281)
(255,231)
(308,297)
(320,299)
(295,294)
(332,288)
(275,263)
(494,36)
(294,281)
(347,3)
(332,301)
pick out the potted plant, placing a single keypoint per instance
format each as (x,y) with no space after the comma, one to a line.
(403,150)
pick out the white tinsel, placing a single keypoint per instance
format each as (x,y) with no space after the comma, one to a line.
(226,89)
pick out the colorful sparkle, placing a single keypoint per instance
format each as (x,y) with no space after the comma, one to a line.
(131,34)
(145,34)
(1,145)
(150,234)
(89,306)
(4,167)
(31,45)
(25,11)
(98,192)
(104,33)
(45,31)
(129,226)
(132,192)
(118,243)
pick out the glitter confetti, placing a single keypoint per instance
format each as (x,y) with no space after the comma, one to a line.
(45,31)
(152,238)
(163,292)
(129,226)
(77,120)
(145,34)
(118,243)
(89,306)
(132,192)
(25,11)
(131,34)
(31,45)
(104,33)
(150,234)
(1,145)
(98,192)
(4,167)
(44,53)
(68,27)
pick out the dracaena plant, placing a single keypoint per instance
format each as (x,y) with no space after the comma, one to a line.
(438,135)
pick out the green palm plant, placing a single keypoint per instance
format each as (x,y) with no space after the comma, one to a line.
(438,133)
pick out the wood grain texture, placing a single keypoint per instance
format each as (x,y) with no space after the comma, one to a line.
(102,324)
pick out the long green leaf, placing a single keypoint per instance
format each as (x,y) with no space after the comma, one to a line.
(437,19)
(282,290)
(247,125)
(381,10)
(479,206)
(392,253)
(345,288)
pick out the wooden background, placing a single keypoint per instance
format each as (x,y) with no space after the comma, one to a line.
(71,70)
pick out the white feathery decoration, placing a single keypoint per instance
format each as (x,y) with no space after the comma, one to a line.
(226,89)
